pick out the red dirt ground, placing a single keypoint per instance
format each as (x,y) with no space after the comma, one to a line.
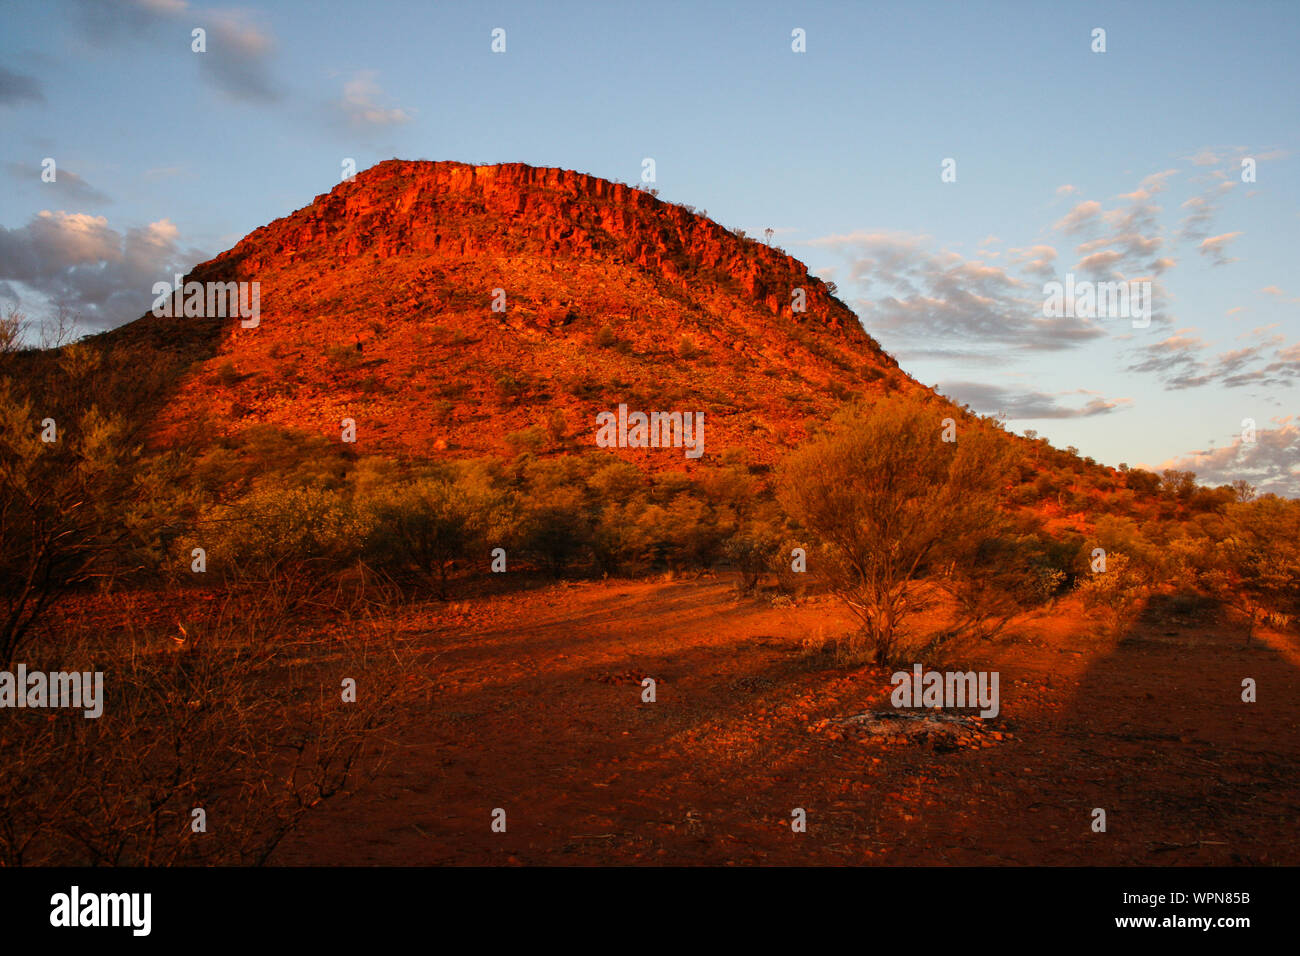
(536,708)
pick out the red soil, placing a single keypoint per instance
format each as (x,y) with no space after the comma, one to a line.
(535,707)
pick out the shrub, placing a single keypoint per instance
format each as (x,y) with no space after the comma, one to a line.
(512,385)
(531,439)
(1250,558)
(753,551)
(274,530)
(428,525)
(557,429)
(557,529)
(345,356)
(227,375)
(1009,573)
(619,538)
(1116,592)
(888,500)
(61,507)
(245,722)
(1142,481)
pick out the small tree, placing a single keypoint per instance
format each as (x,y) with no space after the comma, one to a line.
(61,507)
(1012,572)
(431,523)
(888,500)
(1177,484)
(556,532)
(1254,565)
(753,551)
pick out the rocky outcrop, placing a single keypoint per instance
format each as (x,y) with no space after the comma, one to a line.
(458,211)
(450,309)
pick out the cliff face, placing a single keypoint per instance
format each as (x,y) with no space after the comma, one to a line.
(445,307)
(454,211)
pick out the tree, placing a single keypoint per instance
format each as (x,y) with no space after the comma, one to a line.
(1013,569)
(62,502)
(754,550)
(431,523)
(1177,484)
(887,501)
(1250,559)
(79,499)
(1142,481)
(51,334)
(13,327)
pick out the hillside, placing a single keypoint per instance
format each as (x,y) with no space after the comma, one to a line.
(377,305)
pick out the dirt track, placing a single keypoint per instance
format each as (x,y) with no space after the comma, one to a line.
(536,708)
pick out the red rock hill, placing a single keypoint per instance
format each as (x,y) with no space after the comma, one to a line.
(377,305)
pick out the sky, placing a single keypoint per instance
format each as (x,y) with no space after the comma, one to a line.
(942,163)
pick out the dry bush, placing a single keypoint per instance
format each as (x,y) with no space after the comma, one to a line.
(1248,558)
(251,728)
(61,507)
(1117,593)
(425,526)
(889,502)
(754,550)
(1009,574)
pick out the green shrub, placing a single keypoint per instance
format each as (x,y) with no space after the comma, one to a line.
(753,551)
(532,439)
(274,529)
(1116,592)
(427,525)
(227,375)
(887,500)
(557,529)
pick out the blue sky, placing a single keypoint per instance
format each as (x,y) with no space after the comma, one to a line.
(1122,165)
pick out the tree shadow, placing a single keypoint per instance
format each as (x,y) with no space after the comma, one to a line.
(1155,733)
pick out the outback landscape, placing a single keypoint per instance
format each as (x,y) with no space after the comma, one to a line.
(365,588)
(549,469)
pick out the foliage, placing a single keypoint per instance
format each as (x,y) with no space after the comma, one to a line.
(888,500)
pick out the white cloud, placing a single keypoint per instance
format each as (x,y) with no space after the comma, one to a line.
(359,103)
(1078,217)
(1028,405)
(78,260)
(953,305)
(1037,259)
(1214,247)
(1271,462)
